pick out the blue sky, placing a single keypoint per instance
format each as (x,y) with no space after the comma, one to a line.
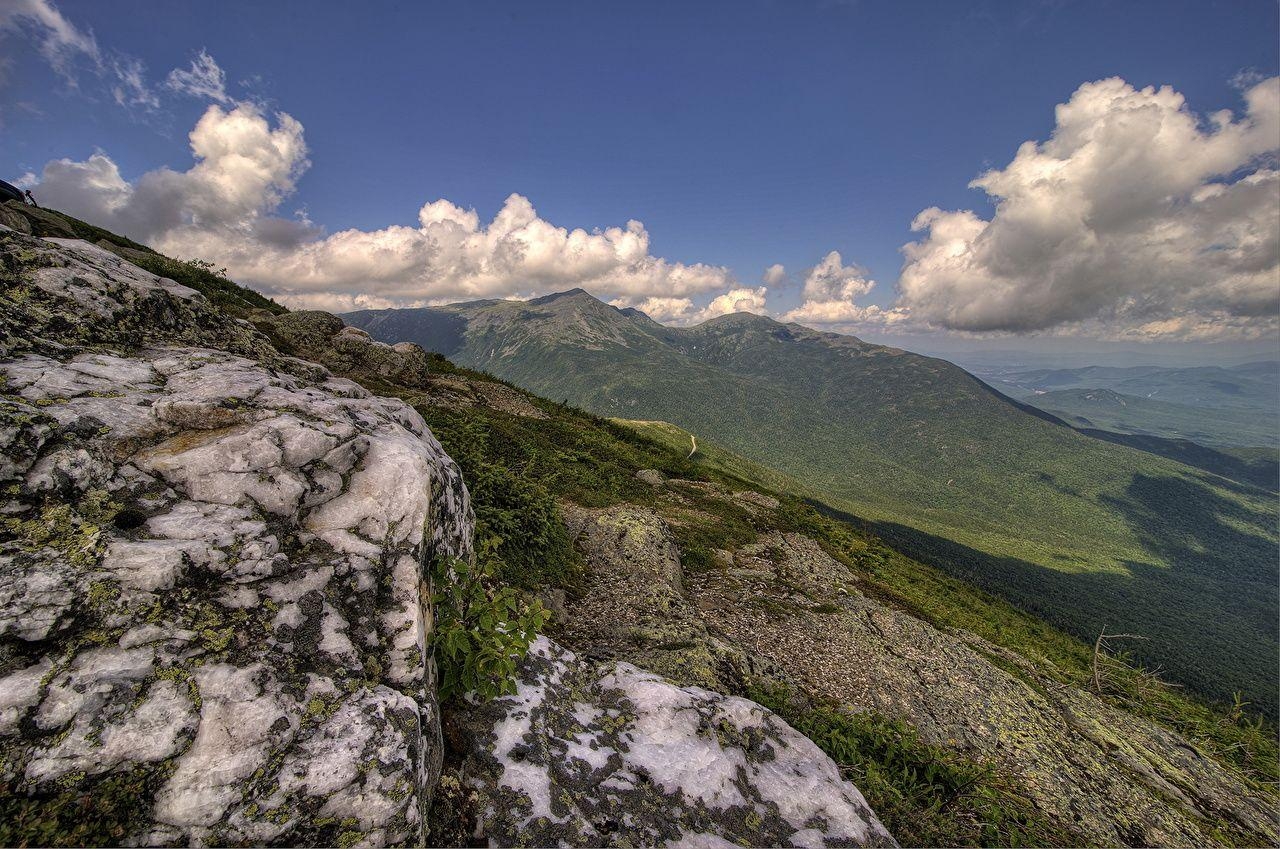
(741,134)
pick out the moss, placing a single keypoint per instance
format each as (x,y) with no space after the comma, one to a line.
(349,838)
(81,810)
(59,527)
(925,794)
(102,593)
(181,676)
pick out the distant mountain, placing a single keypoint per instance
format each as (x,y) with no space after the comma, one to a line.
(1107,409)
(1254,386)
(1085,533)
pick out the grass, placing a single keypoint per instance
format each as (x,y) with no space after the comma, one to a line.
(926,795)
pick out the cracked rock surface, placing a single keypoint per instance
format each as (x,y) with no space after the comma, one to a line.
(212,607)
(588,754)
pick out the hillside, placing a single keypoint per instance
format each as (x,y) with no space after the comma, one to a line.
(1086,534)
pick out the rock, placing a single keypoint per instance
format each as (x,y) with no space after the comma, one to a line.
(635,607)
(653,477)
(12,218)
(348,351)
(213,616)
(46,222)
(1112,777)
(66,292)
(458,392)
(609,755)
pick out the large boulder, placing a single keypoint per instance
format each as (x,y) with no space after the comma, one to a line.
(588,754)
(213,615)
(322,337)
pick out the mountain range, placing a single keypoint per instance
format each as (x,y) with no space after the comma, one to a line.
(1087,534)
(1221,407)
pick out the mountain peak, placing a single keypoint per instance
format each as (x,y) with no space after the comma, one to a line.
(571,295)
(735,320)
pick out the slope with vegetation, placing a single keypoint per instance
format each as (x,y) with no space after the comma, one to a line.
(1088,535)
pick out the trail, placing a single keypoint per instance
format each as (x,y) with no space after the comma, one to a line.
(694,440)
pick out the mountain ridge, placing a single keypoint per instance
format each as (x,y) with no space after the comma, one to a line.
(928,450)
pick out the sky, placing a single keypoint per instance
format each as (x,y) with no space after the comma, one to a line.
(1060,174)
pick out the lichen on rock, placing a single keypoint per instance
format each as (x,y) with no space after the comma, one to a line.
(213,618)
(610,755)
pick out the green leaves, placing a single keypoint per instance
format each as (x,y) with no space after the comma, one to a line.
(482,628)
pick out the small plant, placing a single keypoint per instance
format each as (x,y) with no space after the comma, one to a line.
(482,628)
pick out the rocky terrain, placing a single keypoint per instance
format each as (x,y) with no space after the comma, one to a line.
(780,610)
(215,610)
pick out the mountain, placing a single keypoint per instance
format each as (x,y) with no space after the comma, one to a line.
(1087,534)
(1135,414)
(1250,386)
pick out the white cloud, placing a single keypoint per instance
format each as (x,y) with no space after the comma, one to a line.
(681,311)
(222,208)
(59,41)
(829,296)
(661,309)
(735,300)
(244,168)
(1135,219)
(205,80)
(71,51)
(131,87)
(775,275)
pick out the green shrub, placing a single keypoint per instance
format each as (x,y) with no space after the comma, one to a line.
(482,628)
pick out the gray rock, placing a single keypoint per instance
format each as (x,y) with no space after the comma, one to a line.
(609,755)
(653,477)
(213,616)
(323,338)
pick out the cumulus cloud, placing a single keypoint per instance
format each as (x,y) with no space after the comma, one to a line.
(682,311)
(1135,219)
(223,209)
(205,79)
(775,275)
(244,168)
(828,299)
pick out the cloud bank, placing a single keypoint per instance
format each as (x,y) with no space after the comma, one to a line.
(1135,219)
(246,163)
(682,311)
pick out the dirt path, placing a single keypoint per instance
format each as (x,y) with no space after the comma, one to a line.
(694,450)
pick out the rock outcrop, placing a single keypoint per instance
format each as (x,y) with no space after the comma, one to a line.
(782,610)
(589,754)
(213,619)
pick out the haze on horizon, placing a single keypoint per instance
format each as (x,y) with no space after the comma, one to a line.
(805,161)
